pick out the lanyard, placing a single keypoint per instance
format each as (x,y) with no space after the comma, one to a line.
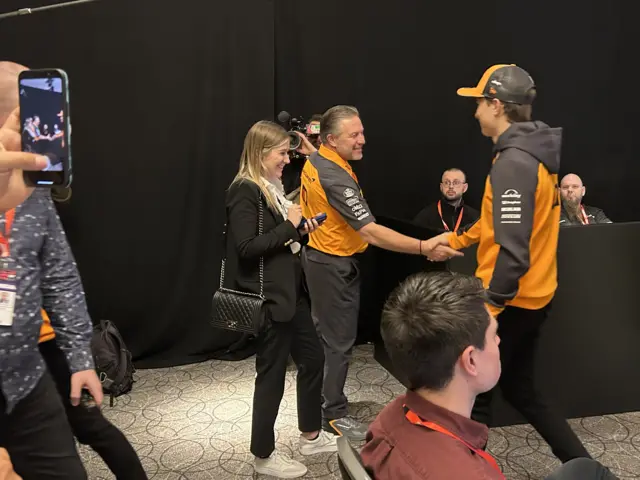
(585,219)
(446,227)
(415,419)
(4,238)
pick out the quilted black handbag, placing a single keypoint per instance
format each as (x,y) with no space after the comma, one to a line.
(235,310)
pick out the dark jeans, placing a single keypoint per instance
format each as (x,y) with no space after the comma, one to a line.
(519,332)
(89,426)
(582,469)
(299,338)
(38,437)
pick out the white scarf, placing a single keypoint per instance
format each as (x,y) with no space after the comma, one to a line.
(283,204)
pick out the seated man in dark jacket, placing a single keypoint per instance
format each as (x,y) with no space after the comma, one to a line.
(574,212)
(449,213)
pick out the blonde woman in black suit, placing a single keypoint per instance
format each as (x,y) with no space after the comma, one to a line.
(289,328)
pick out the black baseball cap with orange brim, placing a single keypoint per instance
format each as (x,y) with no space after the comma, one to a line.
(507,83)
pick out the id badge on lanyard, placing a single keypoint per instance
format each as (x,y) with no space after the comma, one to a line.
(585,219)
(7,274)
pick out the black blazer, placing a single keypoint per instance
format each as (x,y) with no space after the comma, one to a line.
(282,270)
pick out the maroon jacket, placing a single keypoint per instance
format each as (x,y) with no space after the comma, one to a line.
(396,449)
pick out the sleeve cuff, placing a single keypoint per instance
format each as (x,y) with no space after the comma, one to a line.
(292,232)
(454,241)
(494,310)
(80,360)
(494,306)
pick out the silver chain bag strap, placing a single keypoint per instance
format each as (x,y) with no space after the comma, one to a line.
(234,310)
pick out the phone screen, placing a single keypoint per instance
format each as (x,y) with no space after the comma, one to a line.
(313,129)
(44,118)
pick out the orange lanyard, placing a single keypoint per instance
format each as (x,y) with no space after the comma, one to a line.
(585,219)
(4,238)
(446,227)
(416,420)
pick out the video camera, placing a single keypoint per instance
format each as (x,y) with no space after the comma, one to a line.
(293,125)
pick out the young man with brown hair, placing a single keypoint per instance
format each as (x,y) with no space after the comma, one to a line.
(441,337)
(518,239)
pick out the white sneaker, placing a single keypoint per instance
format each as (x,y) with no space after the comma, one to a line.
(280,466)
(325,443)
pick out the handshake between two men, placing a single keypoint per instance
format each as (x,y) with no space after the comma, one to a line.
(437,248)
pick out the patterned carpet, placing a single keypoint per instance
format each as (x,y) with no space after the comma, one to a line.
(193,423)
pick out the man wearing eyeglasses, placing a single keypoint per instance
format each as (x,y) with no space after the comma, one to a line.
(449,213)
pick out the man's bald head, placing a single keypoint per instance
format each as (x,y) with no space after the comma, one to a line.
(571,178)
(9,95)
(572,189)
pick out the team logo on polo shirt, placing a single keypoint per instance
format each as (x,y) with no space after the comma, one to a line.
(348,193)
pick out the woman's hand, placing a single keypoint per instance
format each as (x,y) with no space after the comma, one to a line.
(306,147)
(6,469)
(294,215)
(309,226)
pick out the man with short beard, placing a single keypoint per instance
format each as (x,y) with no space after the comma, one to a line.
(450,212)
(574,212)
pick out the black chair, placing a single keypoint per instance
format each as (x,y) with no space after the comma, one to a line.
(349,462)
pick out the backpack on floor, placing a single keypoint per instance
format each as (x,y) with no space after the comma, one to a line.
(112,359)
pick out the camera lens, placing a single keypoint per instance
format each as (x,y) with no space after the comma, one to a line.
(294,141)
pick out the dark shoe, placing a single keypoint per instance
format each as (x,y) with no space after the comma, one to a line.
(347,427)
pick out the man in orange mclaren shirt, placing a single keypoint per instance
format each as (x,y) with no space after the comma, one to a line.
(88,424)
(330,260)
(518,236)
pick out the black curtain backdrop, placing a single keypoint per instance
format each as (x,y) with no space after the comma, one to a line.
(401,63)
(163,93)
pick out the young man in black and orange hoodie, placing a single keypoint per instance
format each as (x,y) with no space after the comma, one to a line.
(517,234)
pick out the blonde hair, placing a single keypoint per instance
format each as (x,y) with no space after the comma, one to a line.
(261,139)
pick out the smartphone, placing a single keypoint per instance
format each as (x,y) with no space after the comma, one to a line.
(46,125)
(86,400)
(313,129)
(320,218)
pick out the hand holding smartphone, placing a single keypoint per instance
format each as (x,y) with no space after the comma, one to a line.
(46,125)
(320,218)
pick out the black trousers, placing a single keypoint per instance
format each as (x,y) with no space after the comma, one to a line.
(88,425)
(334,284)
(519,332)
(298,338)
(38,437)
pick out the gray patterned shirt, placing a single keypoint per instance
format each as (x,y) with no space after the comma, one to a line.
(46,277)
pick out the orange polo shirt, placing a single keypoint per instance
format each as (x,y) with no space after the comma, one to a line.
(329,185)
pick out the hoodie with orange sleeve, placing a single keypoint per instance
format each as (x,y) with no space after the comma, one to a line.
(519,222)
